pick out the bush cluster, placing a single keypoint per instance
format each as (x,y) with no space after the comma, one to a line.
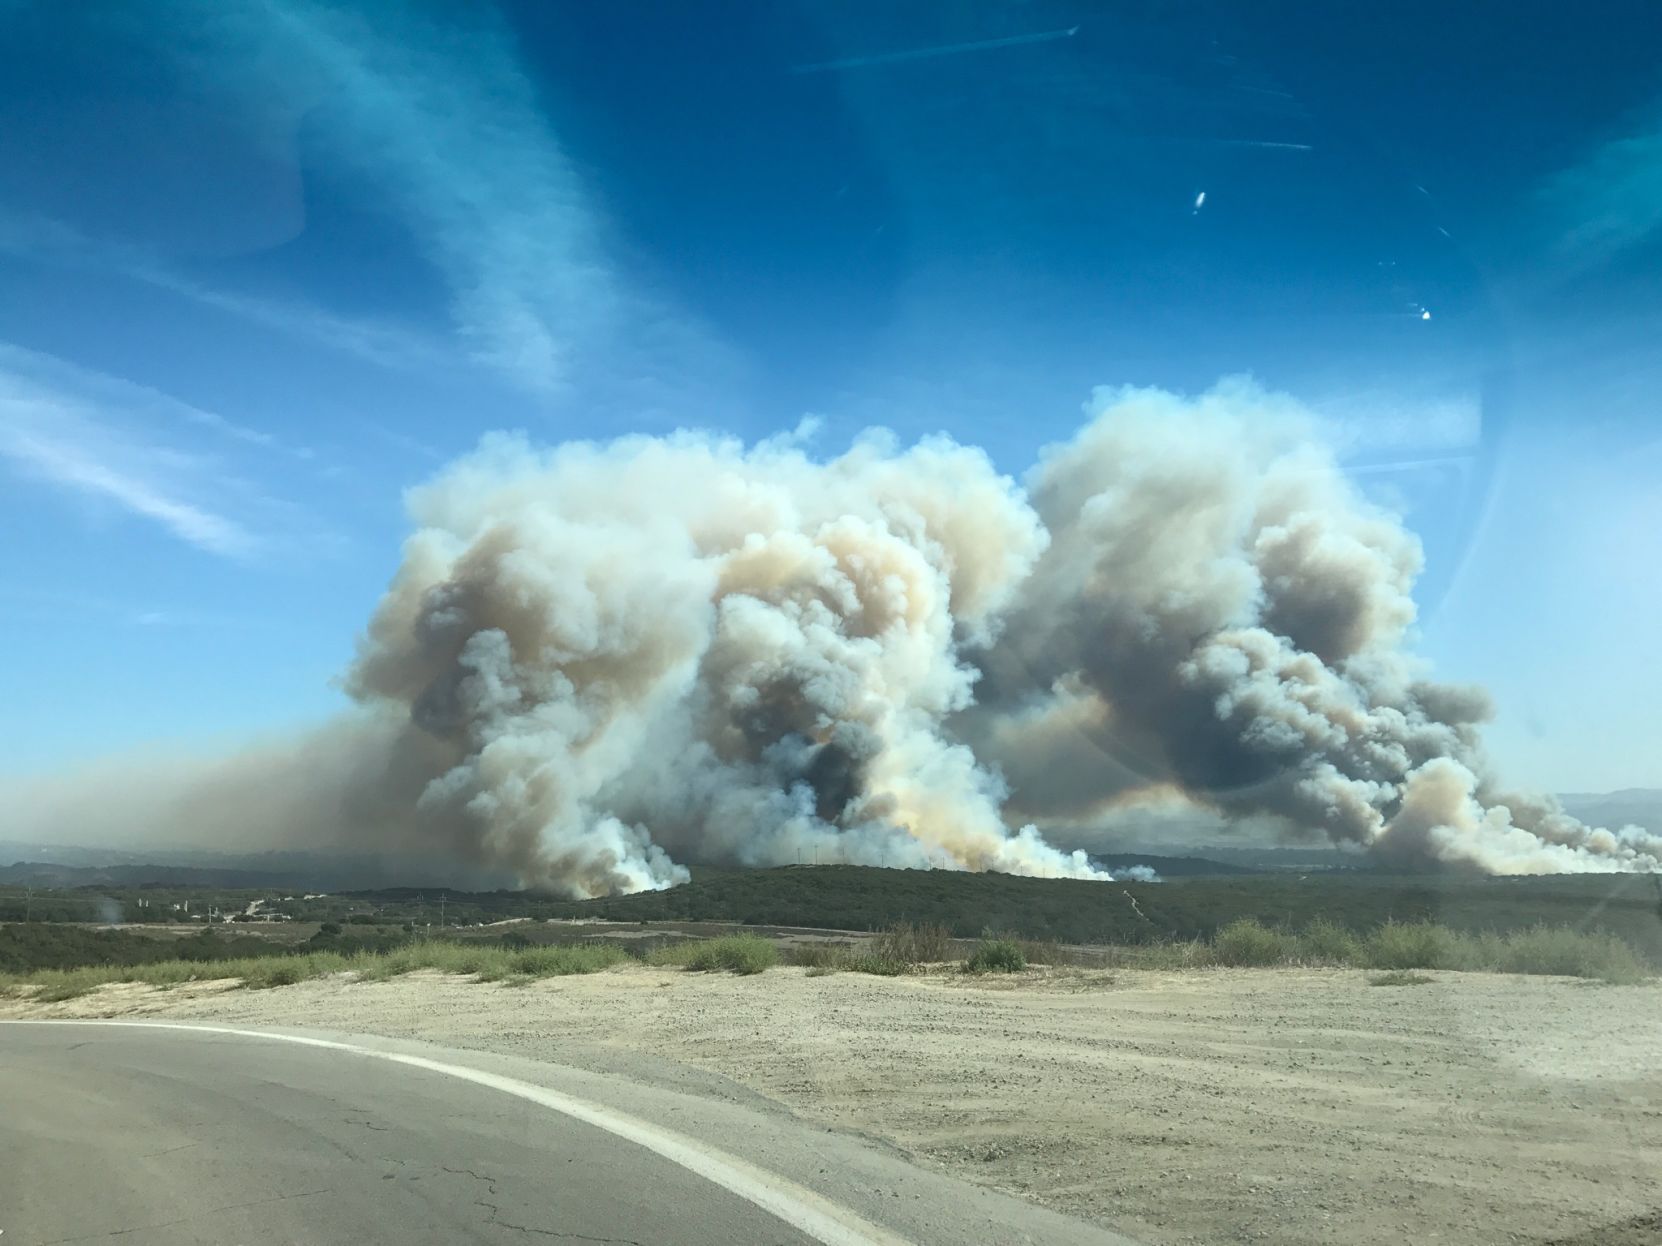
(742,953)
(1402,946)
(996,956)
(902,948)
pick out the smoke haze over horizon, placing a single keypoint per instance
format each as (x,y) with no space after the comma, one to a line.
(600,661)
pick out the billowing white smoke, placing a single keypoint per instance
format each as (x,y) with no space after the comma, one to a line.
(597,661)
(657,648)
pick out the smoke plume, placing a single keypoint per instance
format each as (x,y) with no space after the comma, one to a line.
(1220,612)
(599,661)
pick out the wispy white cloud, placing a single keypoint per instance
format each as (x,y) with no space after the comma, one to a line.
(42,373)
(48,442)
(438,120)
(80,465)
(122,446)
(447,124)
(40,238)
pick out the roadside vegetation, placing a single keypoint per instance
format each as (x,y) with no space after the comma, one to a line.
(483,962)
(28,946)
(1399,951)
(1405,946)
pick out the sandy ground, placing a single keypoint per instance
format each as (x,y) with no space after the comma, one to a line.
(1204,1106)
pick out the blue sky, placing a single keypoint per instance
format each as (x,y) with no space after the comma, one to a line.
(264,266)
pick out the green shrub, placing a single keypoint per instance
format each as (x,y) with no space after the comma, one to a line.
(59,984)
(899,949)
(1325,942)
(1569,953)
(486,963)
(375,966)
(556,961)
(278,973)
(1034,951)
(1247,942)
(285,970)
(743,953)
(826,958)
(1414,945)
(996,956)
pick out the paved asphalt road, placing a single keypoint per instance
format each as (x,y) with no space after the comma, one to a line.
(146,1135)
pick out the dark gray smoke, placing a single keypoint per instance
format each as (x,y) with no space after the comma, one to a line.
(1220,612)
(597,661)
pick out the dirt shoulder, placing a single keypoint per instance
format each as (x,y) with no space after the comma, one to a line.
(1204,1106)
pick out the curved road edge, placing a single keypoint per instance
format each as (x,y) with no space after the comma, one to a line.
(865,1195)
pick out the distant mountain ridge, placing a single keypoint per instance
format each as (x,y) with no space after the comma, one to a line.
(40,865)
(1630,806)
(48,874)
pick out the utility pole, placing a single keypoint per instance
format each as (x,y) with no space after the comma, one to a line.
(441,912)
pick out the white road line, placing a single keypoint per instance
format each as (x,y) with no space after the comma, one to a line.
(801,1208)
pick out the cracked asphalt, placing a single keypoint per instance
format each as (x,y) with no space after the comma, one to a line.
(138,1137)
